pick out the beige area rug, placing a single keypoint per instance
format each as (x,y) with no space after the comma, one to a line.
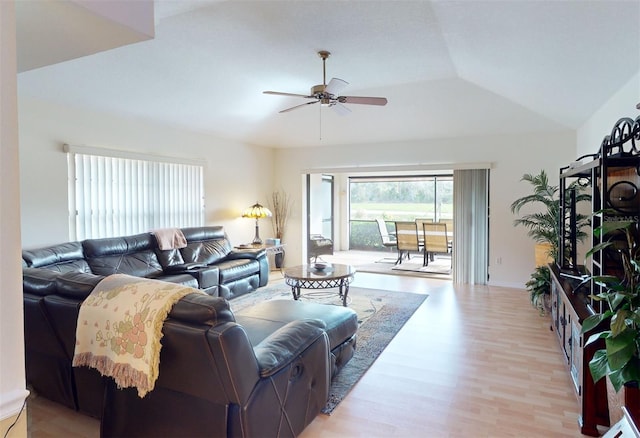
(438,268)
(381,315)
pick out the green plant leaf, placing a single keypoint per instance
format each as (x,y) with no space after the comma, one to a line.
(610,226)
(598,365)
(620,349)
(629,373)
(593,338)
(619,322)
(598,247)
(593,321)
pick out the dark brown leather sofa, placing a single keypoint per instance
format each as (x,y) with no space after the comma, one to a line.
(263,371)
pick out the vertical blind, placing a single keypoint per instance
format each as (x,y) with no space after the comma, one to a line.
(471,222)
(114,196)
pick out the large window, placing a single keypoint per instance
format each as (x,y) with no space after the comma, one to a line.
(401,198)
(113,193)
(395,198)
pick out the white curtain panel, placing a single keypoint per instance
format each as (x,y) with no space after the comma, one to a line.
(471,225)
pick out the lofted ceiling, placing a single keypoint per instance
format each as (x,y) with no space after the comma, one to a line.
(447,68)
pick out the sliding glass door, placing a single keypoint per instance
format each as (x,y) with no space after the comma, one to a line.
(320,207)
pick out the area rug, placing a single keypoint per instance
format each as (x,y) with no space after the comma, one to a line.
(439,268)
(381,315)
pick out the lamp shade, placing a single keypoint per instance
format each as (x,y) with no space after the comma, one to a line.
(256,211)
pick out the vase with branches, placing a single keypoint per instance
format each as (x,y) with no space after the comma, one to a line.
(281,207)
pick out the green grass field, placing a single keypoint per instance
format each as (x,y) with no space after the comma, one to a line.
(396,211)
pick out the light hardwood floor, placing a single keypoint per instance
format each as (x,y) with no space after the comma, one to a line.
(473,361)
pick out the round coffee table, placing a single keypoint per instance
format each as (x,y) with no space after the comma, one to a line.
(308,277)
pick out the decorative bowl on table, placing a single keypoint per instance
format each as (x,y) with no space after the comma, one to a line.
(320,266)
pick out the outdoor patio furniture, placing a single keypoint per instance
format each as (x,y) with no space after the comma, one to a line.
(319,245)
(407,240)
(436,240)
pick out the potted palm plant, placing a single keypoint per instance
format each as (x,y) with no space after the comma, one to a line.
(620,359)
(543,227)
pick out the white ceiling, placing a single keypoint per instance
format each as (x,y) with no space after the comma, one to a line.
(447,68)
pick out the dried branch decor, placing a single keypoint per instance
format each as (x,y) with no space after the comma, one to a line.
(281,207)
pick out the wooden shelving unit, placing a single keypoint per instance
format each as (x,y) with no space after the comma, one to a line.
(613,177)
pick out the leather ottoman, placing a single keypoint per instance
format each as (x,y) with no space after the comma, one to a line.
(341,324)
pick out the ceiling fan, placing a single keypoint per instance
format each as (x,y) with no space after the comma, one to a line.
(328,94)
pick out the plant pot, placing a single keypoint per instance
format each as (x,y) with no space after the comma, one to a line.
(615,401)
(542,254)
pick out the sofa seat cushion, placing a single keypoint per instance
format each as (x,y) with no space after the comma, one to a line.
(232,270)
(263,318)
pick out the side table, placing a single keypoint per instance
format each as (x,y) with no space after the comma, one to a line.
(277,251)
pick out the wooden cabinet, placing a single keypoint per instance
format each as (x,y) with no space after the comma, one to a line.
(569,307)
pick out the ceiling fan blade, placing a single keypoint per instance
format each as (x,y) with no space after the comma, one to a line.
(278,93)
(298,106)
(363,100)
(335,86)
(340,109)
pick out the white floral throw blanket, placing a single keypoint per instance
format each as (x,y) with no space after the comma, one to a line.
(120,327)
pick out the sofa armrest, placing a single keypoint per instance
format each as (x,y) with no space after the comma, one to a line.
(247,253)
(38,281)
(280,348)
(259,254)
(184,268)
(198,308)
(207,276)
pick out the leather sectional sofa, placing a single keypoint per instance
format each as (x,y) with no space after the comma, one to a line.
(264,371)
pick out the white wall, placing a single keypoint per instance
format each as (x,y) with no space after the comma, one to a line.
(12,375)
(236,175)
(599,125)
(511,157)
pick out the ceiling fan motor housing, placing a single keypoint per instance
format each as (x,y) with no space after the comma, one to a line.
(318,91)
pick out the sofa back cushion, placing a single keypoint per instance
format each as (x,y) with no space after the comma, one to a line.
(132,255)
(169,257)
(64,257)
(205,245)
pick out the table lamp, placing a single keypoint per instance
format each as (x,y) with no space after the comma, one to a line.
(257,211)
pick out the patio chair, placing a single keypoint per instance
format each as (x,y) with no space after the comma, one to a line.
(449,223)
(388,241)
(435,240)
(407,240)
(319,245)
(419,222)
